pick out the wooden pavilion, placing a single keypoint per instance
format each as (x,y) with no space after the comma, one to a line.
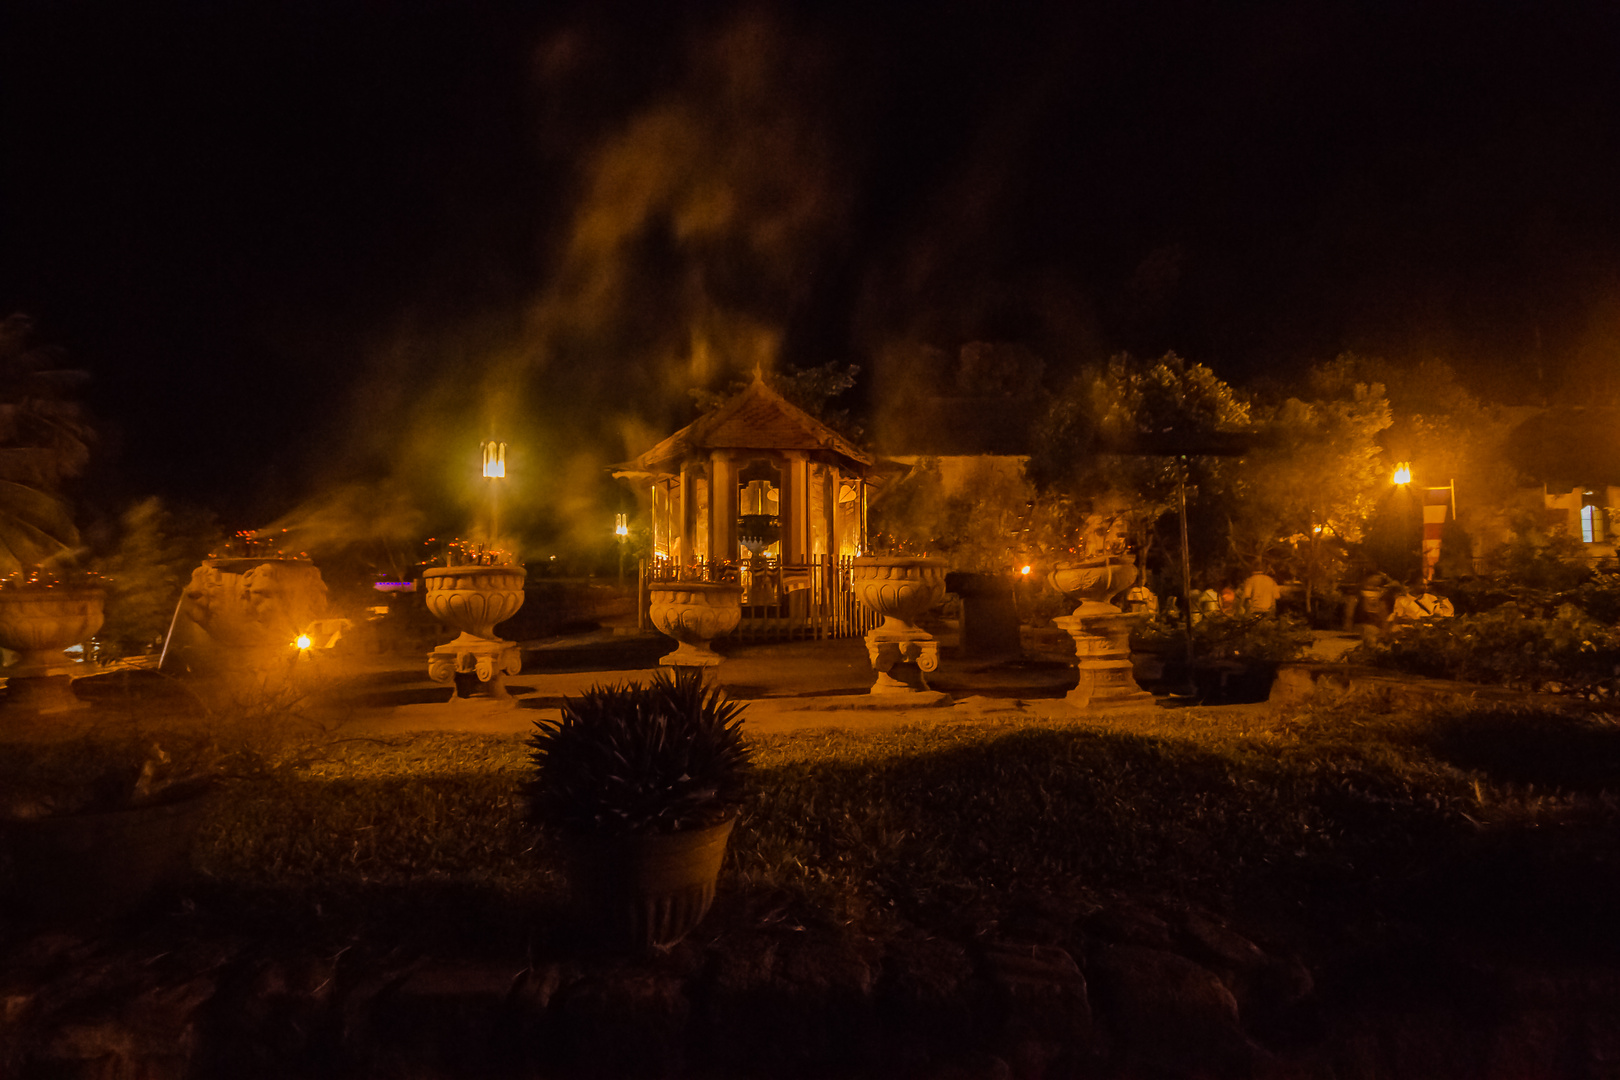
(760,492)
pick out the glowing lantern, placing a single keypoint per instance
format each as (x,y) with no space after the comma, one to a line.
(494,460)
(1403,473)
(621,525)
(303,642)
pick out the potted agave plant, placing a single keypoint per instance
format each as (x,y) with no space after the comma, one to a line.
(90,826)
(643,782)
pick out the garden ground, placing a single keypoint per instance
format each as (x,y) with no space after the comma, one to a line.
(1000,887)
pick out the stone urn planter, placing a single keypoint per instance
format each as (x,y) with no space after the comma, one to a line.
(1101,632)
(1095,582)
(38,622)
(78,867)
(902,589)
(474,600)
(694,613)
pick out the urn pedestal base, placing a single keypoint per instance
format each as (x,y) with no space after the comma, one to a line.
(488,660)
(1102,646)
(41,693)
(902,660)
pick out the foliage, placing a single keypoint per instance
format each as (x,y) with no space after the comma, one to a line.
(44,438)
(1538,558)
(985,517)
(1566,653)
(157,550)
(1309,486)
(632,758)
(1599,598)
(1263,638)
(1121,403)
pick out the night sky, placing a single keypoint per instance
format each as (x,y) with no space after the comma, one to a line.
(304,243)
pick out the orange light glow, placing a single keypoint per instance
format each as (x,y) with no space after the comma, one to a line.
(1025,570)
(303,641)
(1403,473)
(621,525)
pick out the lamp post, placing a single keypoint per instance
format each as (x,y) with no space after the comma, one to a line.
(494,469)
(621,529)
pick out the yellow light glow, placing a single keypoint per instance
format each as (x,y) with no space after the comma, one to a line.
(1025,570)
(494,460)
(1403,473)
(303,641)
(621,525)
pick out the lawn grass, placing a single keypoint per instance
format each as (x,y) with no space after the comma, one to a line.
(1317,821)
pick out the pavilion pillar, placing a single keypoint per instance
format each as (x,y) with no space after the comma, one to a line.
(688,511)
(722,509)
(796,509)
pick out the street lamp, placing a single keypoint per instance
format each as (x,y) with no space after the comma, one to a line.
(494,469)
(1403,473)
(621,529)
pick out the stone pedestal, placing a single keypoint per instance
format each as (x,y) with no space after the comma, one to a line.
(1102,649)
(902,661)
(901,589)
(694,613)
(474,599)
(487,660)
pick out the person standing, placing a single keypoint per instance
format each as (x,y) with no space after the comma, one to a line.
(1259,593)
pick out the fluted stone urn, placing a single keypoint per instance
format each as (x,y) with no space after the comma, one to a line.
(1095,582)
(694,613)
(1101,632)
(474,600)
(902,589)
(38,622)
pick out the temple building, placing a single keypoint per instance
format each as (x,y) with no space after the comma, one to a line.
(755,477)
(760,492)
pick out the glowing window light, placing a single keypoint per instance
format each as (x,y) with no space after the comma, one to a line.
(1589,525)
(1403,473)
(494,460)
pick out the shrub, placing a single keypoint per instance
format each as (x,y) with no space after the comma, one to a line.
(631,758)
(1566,653)
(1263,638)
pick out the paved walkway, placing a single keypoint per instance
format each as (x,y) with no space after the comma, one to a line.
(788,686)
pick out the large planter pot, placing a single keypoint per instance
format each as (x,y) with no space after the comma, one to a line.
(474,599)
(1095,582)
(646,892)
(38,623)
(901,588)
(694,613)
(85,866)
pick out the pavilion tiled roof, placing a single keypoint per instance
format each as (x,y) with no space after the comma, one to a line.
(758,418)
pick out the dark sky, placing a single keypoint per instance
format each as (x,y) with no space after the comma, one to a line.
(282,237)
